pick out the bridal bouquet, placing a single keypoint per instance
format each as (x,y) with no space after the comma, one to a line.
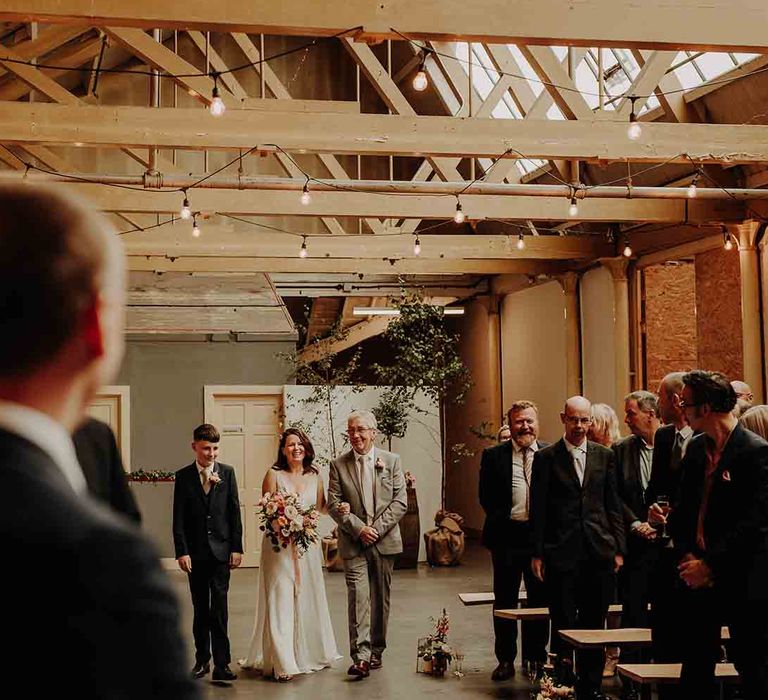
(285,522)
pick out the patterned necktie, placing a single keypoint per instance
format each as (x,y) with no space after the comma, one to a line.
(366,484)
(578,465)
(527,471)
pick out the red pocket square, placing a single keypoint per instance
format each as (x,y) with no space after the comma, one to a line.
(726,475)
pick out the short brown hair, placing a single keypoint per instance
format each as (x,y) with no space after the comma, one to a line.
(206,432)
(521,405)
(51,269)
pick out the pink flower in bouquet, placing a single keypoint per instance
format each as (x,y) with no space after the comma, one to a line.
(291,512)
(270,508)
(282,521)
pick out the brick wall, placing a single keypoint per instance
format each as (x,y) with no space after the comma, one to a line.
(670,320)
(718,306)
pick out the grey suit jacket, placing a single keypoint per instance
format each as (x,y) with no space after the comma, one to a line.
(389,506)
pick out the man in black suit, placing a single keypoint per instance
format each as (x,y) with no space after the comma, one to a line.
(669,447)
(505,477)
(578,538)
(102,466)
(720,531)
(84,590)
(208,537)
(634,455)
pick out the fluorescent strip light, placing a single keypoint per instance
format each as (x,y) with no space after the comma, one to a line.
(386,311)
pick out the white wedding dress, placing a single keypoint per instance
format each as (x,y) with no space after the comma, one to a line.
(292,633)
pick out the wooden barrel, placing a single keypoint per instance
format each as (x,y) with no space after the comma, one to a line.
(410,531)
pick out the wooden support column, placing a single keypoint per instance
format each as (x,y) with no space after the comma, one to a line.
(570,282)
(495,407)
(764,318)
(618,269)
(751,326)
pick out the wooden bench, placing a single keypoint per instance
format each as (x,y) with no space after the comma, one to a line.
(486,598)
(628,636)
(538,613)
(669,673)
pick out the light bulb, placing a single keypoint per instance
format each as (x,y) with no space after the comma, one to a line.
(691,190)
(520,242)
(420,81)
(459,217)
(217,106)
(573,210)
(728,245)
(634,131)
(195,229)
(185,212)
(627,252)
(303,250)
(306,198)
(417,246)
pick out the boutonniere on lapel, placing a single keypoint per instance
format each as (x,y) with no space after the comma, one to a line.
(214,478)
(379,464)
(726,475)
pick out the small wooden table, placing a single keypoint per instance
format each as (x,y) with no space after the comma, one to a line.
(485,598)
(628,636)
(668,673)
(538,613)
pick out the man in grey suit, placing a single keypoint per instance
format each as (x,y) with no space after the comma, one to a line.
(366,498)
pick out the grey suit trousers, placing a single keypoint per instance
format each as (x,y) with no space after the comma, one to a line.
(368,578)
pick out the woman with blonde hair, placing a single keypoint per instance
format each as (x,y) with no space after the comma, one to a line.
(605,425)
(756,420)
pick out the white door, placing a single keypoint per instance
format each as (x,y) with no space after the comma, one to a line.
(250,425)
(112,406)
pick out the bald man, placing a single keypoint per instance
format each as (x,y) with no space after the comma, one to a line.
(744,397)
(578,537)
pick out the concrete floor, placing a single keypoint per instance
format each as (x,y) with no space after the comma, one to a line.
(417,595)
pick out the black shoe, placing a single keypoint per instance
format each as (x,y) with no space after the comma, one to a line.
(375,663)
(360,670)
(504,671)
(223,674)
(201,670)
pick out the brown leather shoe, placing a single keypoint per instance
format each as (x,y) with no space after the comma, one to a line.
(375,662)
(360,670)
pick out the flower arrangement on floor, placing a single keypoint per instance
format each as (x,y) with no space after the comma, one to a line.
(548,689)
(285,522)
(434,651)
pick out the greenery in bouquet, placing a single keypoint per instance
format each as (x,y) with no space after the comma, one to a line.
(285,523)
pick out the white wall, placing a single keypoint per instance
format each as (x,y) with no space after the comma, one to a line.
(419,449)
(533,352)
(597,320)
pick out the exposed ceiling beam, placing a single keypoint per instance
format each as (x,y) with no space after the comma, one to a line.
(476,207)
(373,134)
(218,239)
(681,24)
(393,266)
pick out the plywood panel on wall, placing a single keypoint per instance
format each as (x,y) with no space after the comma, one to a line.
(597,319)
(533,352)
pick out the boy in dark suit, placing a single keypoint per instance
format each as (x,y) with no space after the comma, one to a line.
(208,537)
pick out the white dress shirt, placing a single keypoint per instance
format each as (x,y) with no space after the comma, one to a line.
(578,454)
(47,434)
(520,481)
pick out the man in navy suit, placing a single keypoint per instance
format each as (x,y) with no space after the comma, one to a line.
(720,533)
(505,478)
(208,537)
(83,590)
(578,536)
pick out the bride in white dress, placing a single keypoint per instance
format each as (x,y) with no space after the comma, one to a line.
(292,633)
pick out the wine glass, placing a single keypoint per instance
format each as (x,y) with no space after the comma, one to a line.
(663,503)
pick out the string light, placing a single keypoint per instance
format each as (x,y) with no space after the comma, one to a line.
(627,252)
(634,130)
(185,212)
(195,227)
(306,198)
(303,250)
(573,210)
(217,106)
(520,241)
(459,217)
(692,187)
(420,80)
(417,246)
(727,240)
